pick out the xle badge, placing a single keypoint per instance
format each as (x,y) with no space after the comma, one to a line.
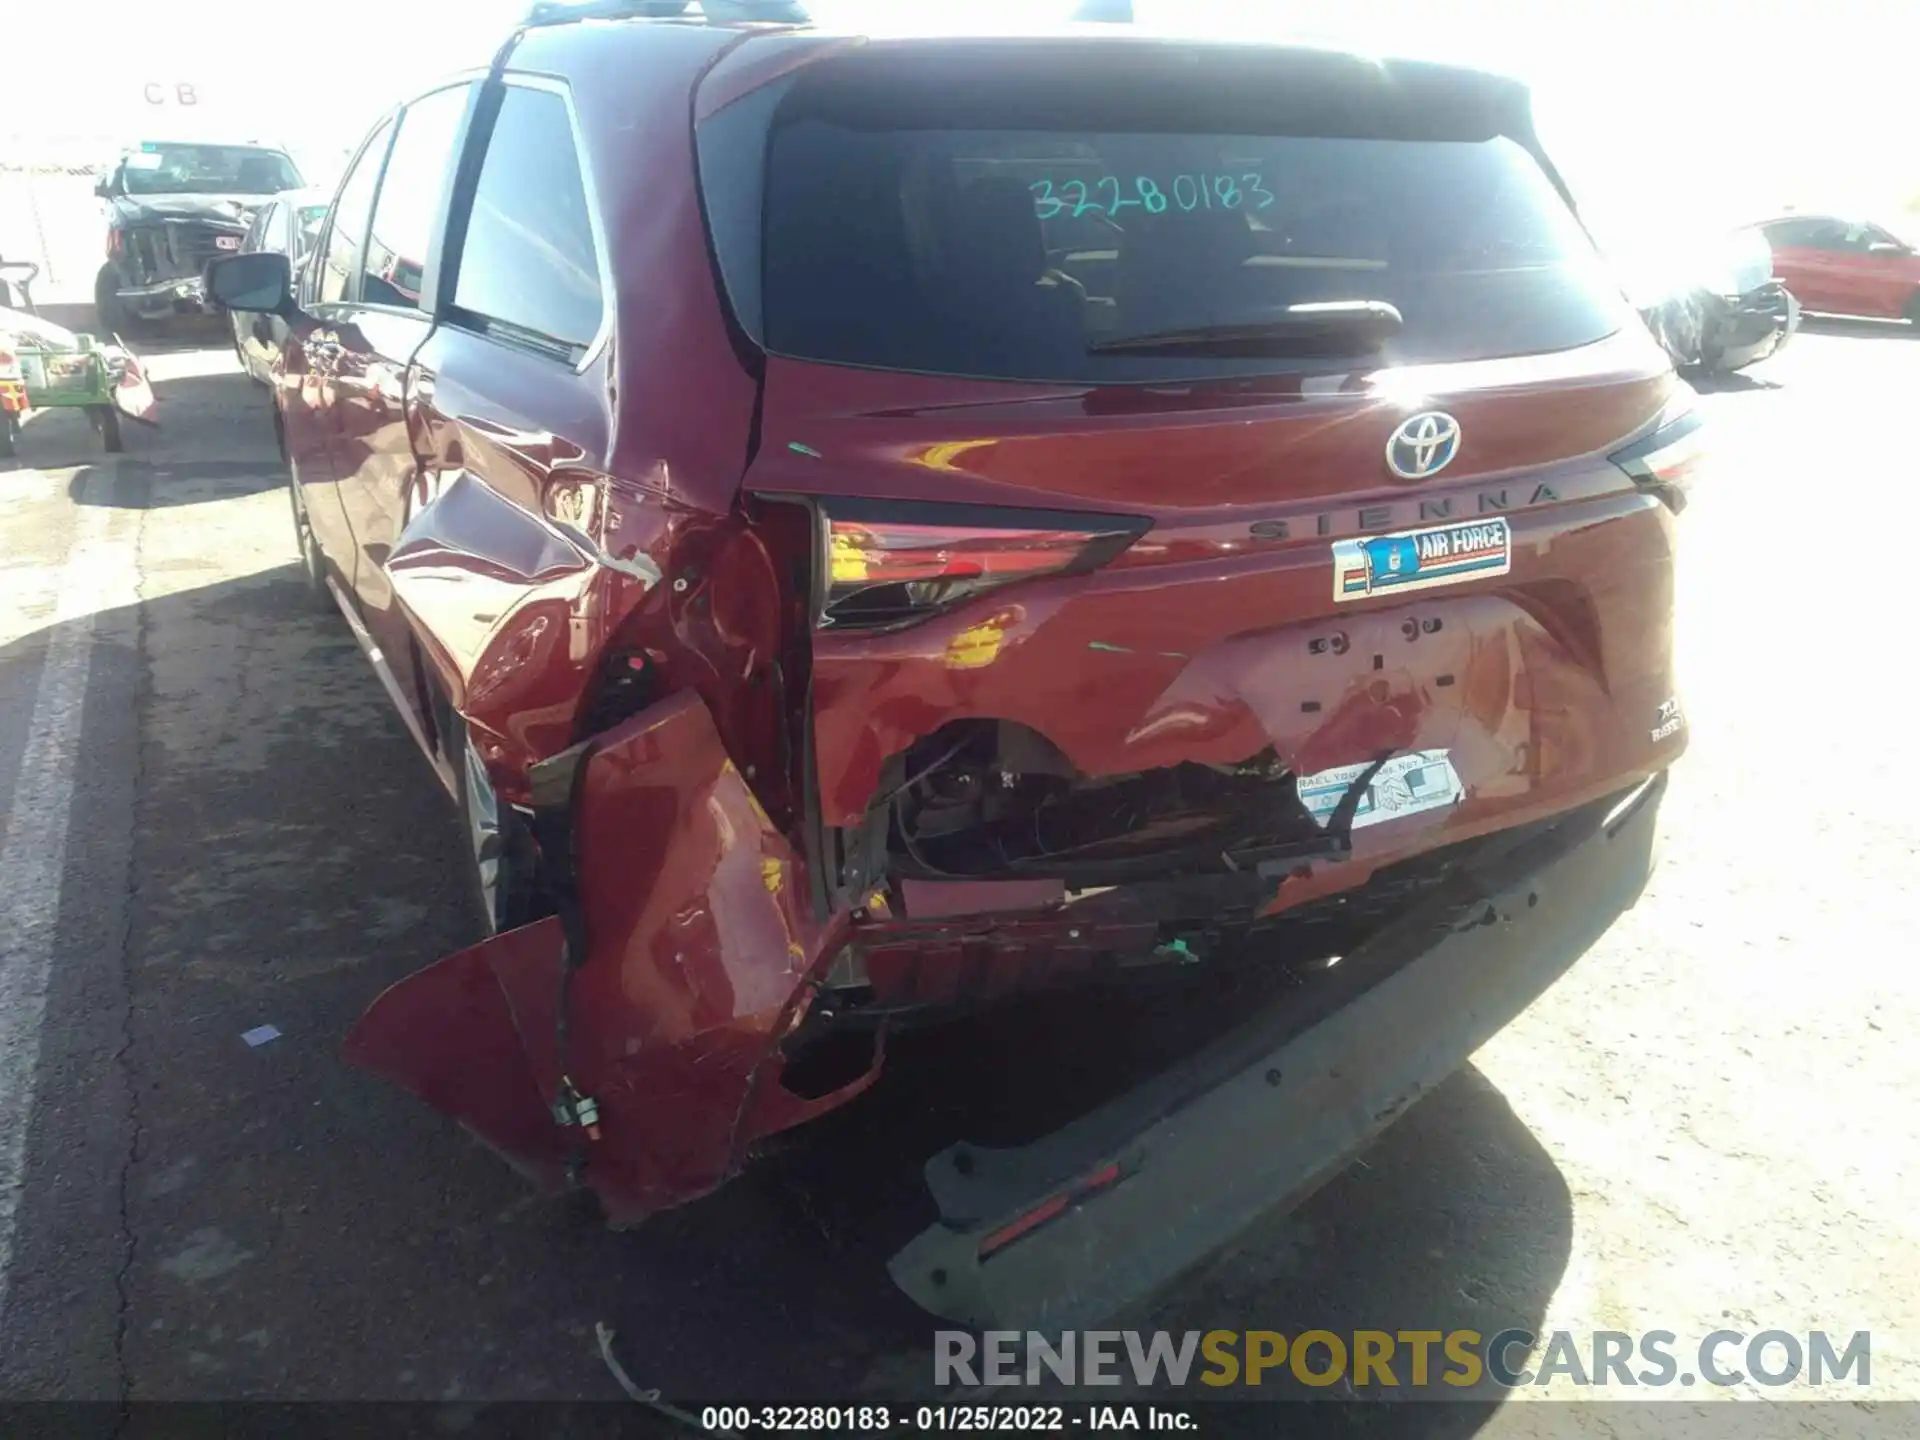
(1668,720)
(1421,559)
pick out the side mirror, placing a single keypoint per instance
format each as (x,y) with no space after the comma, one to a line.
(261,282)
(103,187)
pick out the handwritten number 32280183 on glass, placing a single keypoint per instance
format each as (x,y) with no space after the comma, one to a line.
(1110,195)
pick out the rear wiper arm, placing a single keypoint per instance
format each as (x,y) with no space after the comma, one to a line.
(1322,328)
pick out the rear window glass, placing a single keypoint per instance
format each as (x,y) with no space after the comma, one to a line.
(1007,253)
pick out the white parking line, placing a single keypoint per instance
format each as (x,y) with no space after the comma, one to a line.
(100,572)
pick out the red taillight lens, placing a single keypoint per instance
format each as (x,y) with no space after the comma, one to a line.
(116,242)
(1667,462)
(888,565)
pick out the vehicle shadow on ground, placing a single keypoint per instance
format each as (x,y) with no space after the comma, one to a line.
(177,483)
(193,333)
(302,1230)
(79,317)
(63,438)
(1730,382)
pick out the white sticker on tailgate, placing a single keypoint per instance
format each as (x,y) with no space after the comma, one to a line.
(1420,559)
(1406,785)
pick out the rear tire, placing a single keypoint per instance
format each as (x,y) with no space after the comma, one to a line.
(1913,309)
(108,311)
(502,867)
(106,420)
(9,430)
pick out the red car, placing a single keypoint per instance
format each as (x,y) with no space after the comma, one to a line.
(866,527)
(1845,267)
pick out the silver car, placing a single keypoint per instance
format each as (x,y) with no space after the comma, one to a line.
(289,224)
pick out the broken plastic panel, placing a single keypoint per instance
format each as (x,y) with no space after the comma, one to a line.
(698,948)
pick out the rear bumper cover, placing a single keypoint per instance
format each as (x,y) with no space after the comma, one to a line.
(169,297)
(1757,326)
(1068,1230)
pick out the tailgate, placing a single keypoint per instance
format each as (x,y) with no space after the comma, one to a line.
(1278,586)
(1043,370)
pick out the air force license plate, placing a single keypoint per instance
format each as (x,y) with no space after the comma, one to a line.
(1421,559)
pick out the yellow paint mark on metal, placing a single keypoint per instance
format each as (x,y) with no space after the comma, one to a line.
(942,456)
(772,873)
(846,559)
(977,645)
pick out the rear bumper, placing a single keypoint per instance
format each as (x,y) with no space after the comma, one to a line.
(1070,1229)
(1758,327)
(185,296)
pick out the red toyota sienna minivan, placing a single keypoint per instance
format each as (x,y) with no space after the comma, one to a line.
(866,527)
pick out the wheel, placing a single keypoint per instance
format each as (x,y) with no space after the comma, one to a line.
(1913,309)
(108,311)
(106,420)
(502,865)
(9,428)
(312,561)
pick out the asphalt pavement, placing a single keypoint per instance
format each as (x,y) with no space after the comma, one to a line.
(213,822)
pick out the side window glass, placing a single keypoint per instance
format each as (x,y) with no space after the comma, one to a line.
(350,211)
(308,221)
(409,203)
(259,229)
(529,264)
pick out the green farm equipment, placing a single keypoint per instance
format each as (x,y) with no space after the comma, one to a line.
(44,366)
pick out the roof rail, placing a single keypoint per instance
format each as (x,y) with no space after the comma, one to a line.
(562,12)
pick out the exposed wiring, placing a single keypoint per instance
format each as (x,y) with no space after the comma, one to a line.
(922,773)
(649,1398)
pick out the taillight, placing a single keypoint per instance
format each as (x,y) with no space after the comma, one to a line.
(889,564)
(116,242)
(1665,462)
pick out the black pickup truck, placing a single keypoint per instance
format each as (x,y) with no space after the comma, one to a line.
(173,208)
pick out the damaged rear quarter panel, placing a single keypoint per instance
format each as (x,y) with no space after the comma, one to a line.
(511,617)
(700,945)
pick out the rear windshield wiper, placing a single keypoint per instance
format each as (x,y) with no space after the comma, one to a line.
(1326,327)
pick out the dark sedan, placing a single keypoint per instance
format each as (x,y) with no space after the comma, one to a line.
(171,209)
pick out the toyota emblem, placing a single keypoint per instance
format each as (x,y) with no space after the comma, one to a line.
(1423,445)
